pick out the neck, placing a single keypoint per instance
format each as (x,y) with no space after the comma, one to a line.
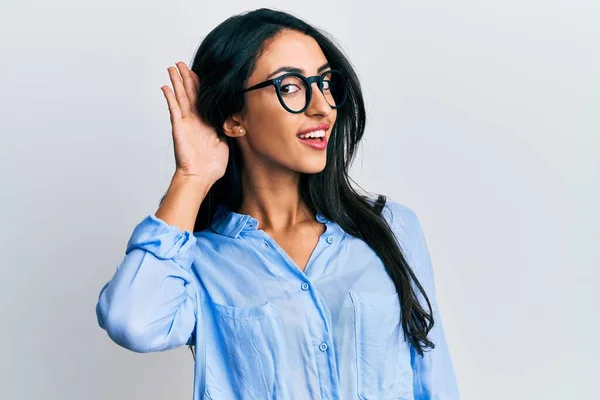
(274,199)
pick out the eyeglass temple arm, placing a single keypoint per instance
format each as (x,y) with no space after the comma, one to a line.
(260,85)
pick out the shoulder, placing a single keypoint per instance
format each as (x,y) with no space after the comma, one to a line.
(407,227)
(404,223)
(401,218)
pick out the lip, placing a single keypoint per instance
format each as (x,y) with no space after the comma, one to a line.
(320,127)
(315,144)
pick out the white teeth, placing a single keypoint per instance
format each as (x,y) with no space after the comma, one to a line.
(314,134)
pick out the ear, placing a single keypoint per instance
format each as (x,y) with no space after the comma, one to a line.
(233,126)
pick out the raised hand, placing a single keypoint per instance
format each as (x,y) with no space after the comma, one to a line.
(199,153)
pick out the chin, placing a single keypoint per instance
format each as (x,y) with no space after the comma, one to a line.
(311,168)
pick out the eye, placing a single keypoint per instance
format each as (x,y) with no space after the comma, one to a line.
(289,88)
(292,84)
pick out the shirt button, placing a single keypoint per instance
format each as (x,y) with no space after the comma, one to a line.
(304,286)
(266,245)
(330,239)
(323,346)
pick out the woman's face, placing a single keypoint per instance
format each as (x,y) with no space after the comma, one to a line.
(270,136)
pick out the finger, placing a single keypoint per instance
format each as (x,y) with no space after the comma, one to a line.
(196,80)
(188,83)
(180,93)
(174,111)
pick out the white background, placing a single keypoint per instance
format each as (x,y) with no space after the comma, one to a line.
(483,118)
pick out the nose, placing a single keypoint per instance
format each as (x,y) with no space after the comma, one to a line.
(318,102)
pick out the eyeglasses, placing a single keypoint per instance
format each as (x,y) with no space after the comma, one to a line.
(295,90)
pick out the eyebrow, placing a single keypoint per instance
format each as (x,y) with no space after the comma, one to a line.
(296,70)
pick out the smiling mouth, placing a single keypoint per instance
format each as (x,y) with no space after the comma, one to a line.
(316,136)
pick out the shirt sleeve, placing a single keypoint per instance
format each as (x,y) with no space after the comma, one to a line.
(150,302)
(433,373)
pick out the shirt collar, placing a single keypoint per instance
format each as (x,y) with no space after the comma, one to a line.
(230,223)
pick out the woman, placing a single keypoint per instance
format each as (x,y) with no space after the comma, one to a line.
(261,256)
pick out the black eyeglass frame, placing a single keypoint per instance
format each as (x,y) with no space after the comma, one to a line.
(308,81)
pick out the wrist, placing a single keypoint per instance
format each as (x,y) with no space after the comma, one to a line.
(198,183)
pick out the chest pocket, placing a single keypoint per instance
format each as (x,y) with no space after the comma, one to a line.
(253,346)
(382,355)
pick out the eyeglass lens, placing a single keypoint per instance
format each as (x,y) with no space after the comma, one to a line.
(294,92)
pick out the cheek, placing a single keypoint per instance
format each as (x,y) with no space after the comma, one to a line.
(269,122)
(276,129)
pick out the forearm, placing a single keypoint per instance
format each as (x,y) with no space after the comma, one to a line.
(182,202)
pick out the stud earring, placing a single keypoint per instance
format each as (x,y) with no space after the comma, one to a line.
(241,130)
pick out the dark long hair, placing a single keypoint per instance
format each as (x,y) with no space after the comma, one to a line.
(223,62)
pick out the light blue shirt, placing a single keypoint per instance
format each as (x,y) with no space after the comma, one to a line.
(263,328)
